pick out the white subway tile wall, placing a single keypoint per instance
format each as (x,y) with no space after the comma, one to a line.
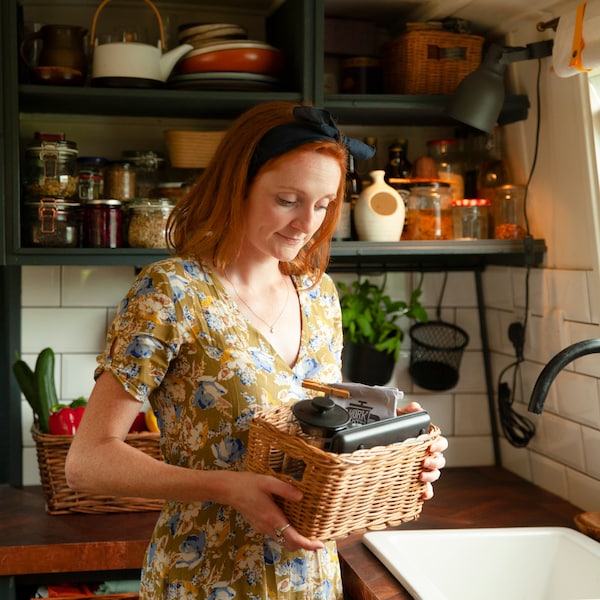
(69,308)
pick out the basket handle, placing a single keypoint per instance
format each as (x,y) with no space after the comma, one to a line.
(148,2)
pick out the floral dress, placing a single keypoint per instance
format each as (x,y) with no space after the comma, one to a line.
(180,341)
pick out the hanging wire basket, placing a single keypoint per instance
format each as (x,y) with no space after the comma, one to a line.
(435,354)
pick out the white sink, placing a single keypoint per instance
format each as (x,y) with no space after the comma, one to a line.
(518,563)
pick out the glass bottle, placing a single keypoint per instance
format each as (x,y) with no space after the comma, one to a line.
(398,169)
(445,155)
(493,171)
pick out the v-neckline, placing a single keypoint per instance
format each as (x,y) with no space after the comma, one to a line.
(218,283)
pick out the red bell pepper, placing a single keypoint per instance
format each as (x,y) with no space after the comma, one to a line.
(64,420)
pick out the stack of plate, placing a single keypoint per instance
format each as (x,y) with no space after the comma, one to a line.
(224,59)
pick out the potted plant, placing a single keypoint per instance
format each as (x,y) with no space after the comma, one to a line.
(372,331)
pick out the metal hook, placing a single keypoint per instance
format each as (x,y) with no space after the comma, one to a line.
(552,24)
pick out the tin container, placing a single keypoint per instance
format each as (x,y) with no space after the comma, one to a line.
(103,223)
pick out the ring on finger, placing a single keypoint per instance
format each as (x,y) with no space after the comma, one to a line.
(279,530)
(281,540)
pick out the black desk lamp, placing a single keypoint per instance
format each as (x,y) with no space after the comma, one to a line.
(479,97)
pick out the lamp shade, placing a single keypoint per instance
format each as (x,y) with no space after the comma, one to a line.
(479,97)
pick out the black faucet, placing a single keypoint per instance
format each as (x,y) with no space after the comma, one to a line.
(554,366)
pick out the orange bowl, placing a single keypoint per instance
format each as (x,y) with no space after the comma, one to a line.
(240,60)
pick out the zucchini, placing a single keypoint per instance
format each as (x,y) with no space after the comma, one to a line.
(26,380)
(44,384)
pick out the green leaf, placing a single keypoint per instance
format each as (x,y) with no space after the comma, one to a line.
(370,316)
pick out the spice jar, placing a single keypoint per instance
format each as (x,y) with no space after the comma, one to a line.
(90,171)
(50,166)
(147,165)
(429,211)
(103,223)
(509,216)
(52,223)
(471,218)
(148,219)
(119,180)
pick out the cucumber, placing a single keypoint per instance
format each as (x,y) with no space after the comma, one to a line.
(44,385)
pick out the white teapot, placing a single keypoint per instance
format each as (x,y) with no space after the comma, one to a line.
(133,63)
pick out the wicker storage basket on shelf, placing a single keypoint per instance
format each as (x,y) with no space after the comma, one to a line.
(429,61)
(61,499)
(192,149)
(342,493)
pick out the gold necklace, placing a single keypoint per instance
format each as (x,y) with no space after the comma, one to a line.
(272,325)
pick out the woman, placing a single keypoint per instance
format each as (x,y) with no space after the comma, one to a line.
(231,324)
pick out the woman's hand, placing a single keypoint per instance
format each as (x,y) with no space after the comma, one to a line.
(252,496)
(435,459)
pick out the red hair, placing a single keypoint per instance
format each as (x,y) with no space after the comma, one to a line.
(210,221)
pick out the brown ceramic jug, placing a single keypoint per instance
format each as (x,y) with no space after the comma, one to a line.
(62,46)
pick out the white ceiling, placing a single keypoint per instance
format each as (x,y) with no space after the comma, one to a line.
(488,16)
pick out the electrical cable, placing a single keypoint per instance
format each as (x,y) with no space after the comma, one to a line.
(517,428)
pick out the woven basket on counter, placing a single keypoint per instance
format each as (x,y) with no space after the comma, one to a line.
(342,493)
(429,61)
(61,499)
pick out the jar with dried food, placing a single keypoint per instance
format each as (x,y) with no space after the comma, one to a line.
(148,219)
(429,214)
(509,215)
(50,166)
(119,180)
(52,223)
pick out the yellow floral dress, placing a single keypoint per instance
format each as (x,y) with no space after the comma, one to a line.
(180,341)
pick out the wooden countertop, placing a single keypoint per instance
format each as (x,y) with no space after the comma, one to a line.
(32,541)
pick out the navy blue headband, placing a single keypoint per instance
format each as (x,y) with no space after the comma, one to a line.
(311,124)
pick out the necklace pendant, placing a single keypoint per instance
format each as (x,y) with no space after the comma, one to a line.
(271,329)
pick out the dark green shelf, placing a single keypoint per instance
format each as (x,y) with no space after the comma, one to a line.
(382,109)
(345,256)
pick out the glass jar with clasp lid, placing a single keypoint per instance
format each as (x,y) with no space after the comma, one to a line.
(52,223)
(147,222)
(50,166)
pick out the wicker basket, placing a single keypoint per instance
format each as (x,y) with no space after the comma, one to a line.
(191,149)
(61,499)
(342,493)
(429,61)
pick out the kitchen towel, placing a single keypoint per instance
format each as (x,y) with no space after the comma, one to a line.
(576,46)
